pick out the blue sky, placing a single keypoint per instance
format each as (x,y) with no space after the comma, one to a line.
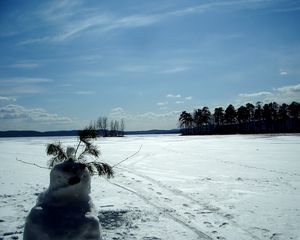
(65,63)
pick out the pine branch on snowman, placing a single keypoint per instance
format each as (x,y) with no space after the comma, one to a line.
(65,210)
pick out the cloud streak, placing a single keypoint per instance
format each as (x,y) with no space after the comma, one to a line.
(24,65)
(147,120)
(161,104)
(24,80)
(173,96)
(61,16)
(23,85)
(175,70)
(256,94)
(84,92)
(282,94)
(289,89)
(283,73)
(3,98)
(26,118)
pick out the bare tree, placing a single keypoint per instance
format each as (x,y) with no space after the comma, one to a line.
(122,127)
(116,128)
(102,126)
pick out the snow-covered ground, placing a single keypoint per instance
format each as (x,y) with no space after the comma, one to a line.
(200,187)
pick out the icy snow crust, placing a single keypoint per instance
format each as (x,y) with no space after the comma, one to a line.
(200,187)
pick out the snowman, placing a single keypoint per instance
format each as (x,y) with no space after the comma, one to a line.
(65,210)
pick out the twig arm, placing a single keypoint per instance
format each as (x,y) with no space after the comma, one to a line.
(128,157)
(77,147)
(34,164)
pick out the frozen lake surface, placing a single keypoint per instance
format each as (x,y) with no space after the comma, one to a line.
(197,187)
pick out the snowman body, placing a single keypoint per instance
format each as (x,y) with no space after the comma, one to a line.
(65,210)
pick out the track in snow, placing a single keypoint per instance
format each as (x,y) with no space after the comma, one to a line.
(224,218)
(292,174)
(166,212)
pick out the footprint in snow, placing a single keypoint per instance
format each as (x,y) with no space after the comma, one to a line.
(151,238)
(222,238)
(208,224)
(228,216)
(265,232)
(275,236)
(12,233)
(189,214)
(223,224)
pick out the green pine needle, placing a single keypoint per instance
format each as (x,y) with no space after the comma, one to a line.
(85,136)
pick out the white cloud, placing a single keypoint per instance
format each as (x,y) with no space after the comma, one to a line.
(175,70)
(22,90)
(255,94)
(202,8)
(162,103)
(151,120)
(283,73)
(288,9)
(59,11)
(35,40)
(8,34)
(74,29)
(95,74)
(24,65)
(70,27)
(134,21)
(134,68)
(65,85)
(178,98)
(284,94)
(16,117)
(72,19)
(289,89)
(2,98)
(118,113)
(84,92)
(147,120)
(24,80)
(173,96)
(23,85)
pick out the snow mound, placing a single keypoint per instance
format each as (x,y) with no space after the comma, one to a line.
(65,210)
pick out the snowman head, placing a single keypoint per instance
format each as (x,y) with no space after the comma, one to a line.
(70,178)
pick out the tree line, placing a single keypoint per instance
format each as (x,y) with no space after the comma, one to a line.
(112,128)
(260,118)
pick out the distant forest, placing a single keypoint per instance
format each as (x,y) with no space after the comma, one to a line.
(261,118)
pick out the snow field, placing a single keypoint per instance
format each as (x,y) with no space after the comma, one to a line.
(199,187)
